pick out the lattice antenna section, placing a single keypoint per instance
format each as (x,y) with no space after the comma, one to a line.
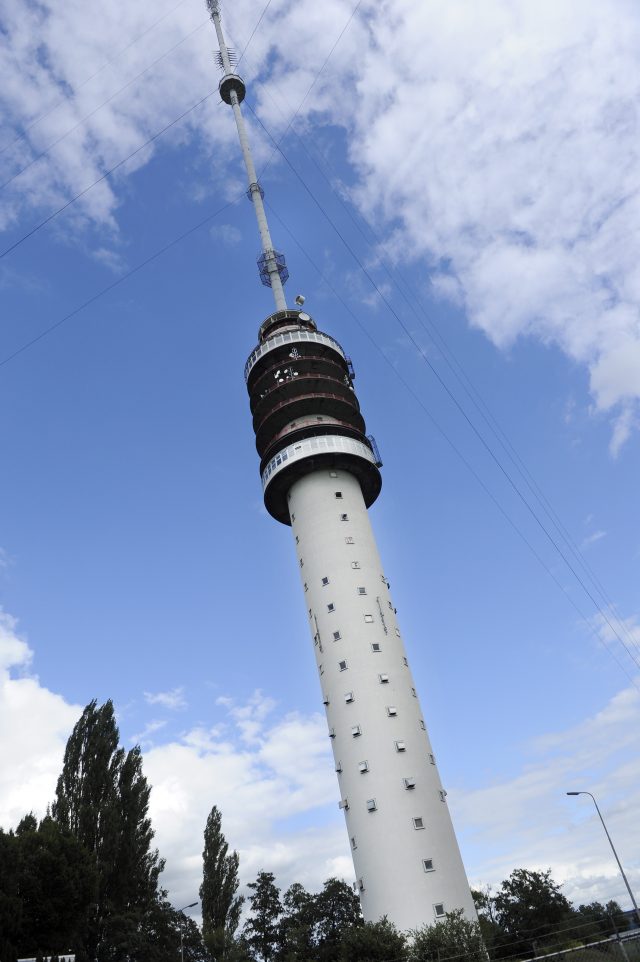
(272,267)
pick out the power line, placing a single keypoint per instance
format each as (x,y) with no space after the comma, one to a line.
(123,277)
(107,63)
(451,395)
(461,376)
(444,434)
(104,176)
(92,113)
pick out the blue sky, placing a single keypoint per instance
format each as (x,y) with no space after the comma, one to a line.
(490,163)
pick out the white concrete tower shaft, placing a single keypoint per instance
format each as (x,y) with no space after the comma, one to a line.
(320,473)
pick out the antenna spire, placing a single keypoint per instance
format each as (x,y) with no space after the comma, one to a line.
(271,264)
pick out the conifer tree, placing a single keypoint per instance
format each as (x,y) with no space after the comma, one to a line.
(221,905)
(261,930)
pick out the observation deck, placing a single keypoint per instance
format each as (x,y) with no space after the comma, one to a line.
(305,411)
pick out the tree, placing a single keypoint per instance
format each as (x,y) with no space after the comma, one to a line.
(530,902)
(337,909)
(298,924)
(261,930)
(221,905)
(10,902)
(455,935)
(373,942)
(57,884)
(102,798)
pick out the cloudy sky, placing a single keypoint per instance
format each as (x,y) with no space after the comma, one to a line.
(456,188)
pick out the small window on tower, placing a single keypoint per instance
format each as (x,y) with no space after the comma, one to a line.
(363,767)
(422,725)
(297,539)
(338,494)
(332,733)
(355,564)
(432,759)
(406,662)
(321,669)
(375,647)
(338,767)
(306,586)
(418,822)
(349,540)
(409,783)
(362,591)
(371,805)
(384,679)
(293,517)
(331,606)
(413,692)
(401,746)
(344,517)
(427,864)
(356,730)
(325,699)
(337,636)
(360,884)
(325,581)
(438,910)
(301,562)
(368,619)
(348,697)
(342,665)
(443,795)
(398,632)
(392,710)
(354,844)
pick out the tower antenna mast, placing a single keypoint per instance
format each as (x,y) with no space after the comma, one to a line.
(271,264)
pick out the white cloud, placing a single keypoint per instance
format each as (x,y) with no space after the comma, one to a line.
(173,700)
(527,821)
(227,234)
(34,726)
(593,538)
(271,775)
(499,139)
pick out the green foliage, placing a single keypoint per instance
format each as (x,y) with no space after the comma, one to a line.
(530,901)
(262,930)
(102,799)
(297,927)
(373,942)
(455,935)
(337,909)
(221,906)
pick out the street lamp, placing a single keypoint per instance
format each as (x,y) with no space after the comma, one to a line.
(190,906)
(633,901)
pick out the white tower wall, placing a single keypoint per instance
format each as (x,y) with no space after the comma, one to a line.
(338,557)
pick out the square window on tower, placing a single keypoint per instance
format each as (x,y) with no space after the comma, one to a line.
(349,540)
(362,591)
(376,647)
(325,580)
(355,564)
(337,636)
(349,697)
(409,783)
(384,679)
(356,730)
(338,494)
(338,767)
(392,711)
(363,767)
(354,844)
(331,606)
(344,517)
(438,910)
(432,759)
(368,619)
(371,805)
(342,665)
(418,822)
(400,746)
(427,864)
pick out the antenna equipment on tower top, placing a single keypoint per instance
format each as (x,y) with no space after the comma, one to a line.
(271,263)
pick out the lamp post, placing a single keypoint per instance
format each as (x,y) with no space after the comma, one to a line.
(191,905)
(633,901)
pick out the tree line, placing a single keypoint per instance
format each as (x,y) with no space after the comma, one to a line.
(85,880)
